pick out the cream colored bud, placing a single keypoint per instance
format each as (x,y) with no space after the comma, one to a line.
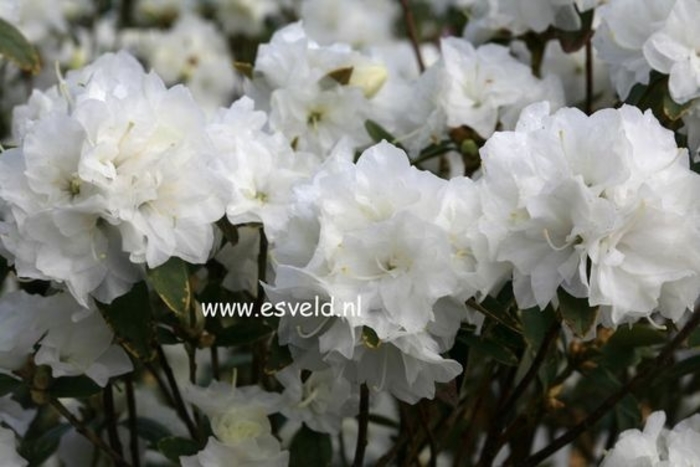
(370,78)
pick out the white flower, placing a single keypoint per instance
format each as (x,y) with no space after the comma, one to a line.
(321,401)
(657,446)
(111,167)
(259,168)
(8,449)
(192,51)
(255,452)
(356,22)
(673,50)
(564,215)
(246,16)
(626,26)
(489,16)
(484,86)
(22,323)
(293,80)
(75,345)
(239,422)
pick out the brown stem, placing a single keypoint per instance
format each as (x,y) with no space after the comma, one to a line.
(111,418)
(180,406)
(133,428)
(493,441)
(363,422)
(88,433)
(589,77)
(412,33)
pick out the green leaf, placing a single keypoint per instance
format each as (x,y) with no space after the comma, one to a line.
(310,448)
(38,450)
(536,323)
(15,47)
(378,133)
(166,337)
(171,281)
(131,318)
(174,447)
(242,333)
(150,430)
(639,335)
(8,384)
(489,347)
(577,314)
(675,111)
(73,386)
(229,230)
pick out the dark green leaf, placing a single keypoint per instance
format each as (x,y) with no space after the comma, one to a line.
(639,335)
(310,448)
(675,111)
(15,47)
(378,133)
(171,282)
(229,230)
(577,314)
(489,348)
(166,337)
(8,384)
(73,386)
(536,323)
(38,450)
(242,333)
(131,318)
(150,430)
(370,338)
(174,447)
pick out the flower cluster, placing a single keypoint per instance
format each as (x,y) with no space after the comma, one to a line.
(111,171)
(656,445)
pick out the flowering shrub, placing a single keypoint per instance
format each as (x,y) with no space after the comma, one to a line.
(342,232)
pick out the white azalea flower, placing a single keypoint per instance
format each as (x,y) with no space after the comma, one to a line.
(242,431)
(657,446)
(76,346)
(673,50)
(293,80)
(321,401)
(8,449)
(259,168)
(111,169)
(565,216)
(356,22)
(192,51)
(625,28)
(489,16)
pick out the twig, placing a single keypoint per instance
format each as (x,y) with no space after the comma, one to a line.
(111,418)
(363,422)
(412,33)
(177,396)
(133,429)
(88,433)
(215,368)
(425,421)
(661,360)
(493,441)
(589,77)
